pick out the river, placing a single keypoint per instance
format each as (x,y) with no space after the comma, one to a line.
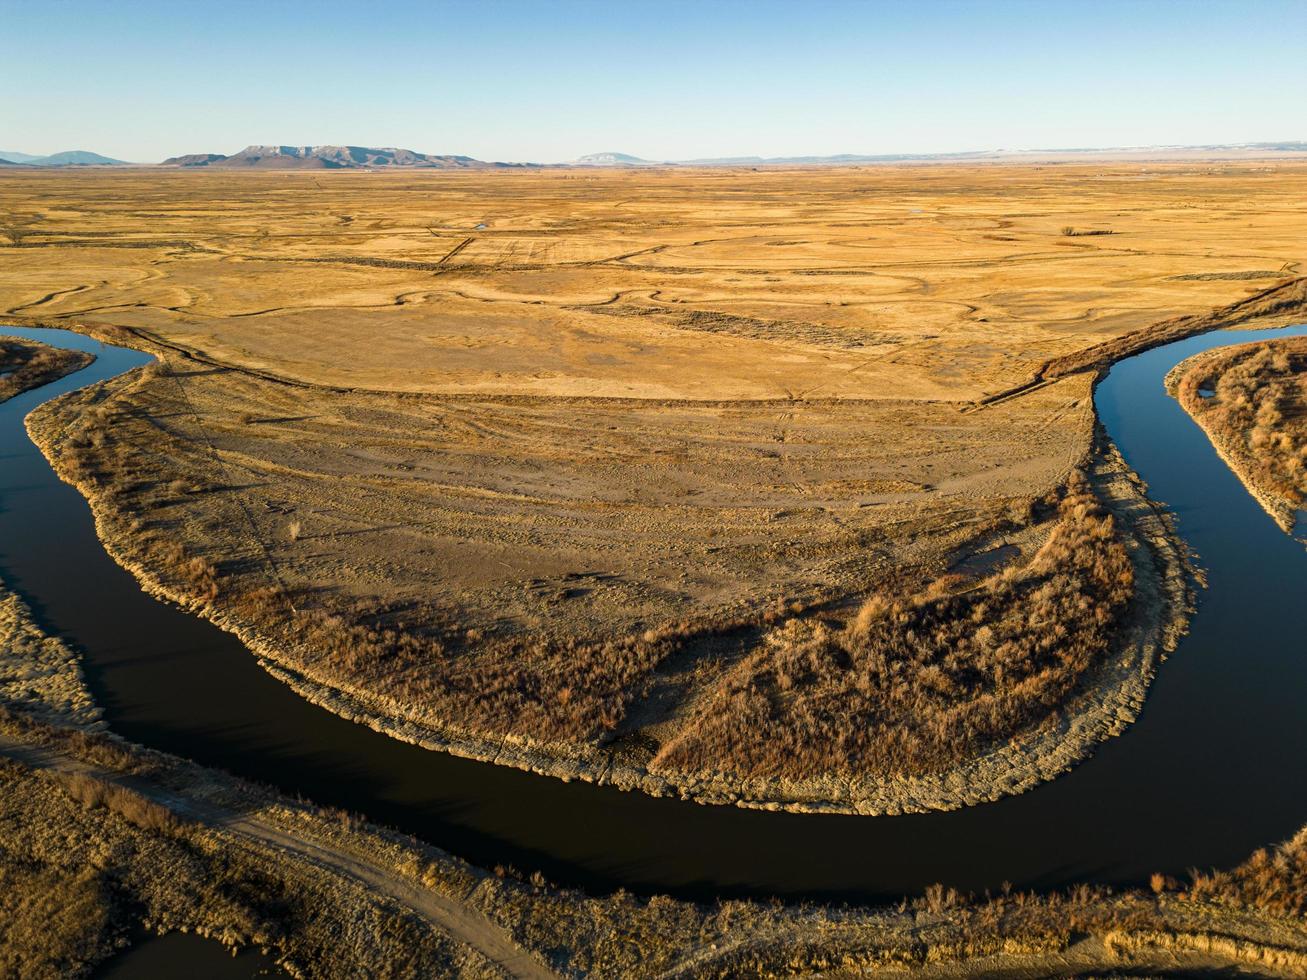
(1210,771)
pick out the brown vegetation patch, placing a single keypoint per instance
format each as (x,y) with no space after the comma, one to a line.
(25,365)
(91,792)
(912,685)
(1252,402)
(38,672)
(1274,880)
(84,861)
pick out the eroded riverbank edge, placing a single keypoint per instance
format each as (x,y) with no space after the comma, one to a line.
(1105,705)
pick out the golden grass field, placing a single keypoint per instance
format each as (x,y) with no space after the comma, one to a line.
(575,457)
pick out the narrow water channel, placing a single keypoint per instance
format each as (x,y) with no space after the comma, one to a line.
(179,954)
(1213,769)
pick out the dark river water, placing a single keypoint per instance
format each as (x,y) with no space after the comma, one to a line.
(186,955)
(1212,770)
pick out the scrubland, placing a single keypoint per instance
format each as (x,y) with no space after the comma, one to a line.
(1252,402)
(933,623)
(912,684)
(766,474)
(86,861)
(99,837)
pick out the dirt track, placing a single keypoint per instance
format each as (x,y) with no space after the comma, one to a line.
(459,922)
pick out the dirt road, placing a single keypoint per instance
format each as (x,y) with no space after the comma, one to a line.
(447,915)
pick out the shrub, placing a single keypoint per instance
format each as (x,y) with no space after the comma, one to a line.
(914,684)
(92,792)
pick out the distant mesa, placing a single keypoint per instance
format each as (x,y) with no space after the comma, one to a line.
(68,158)
(613,160)
(194,160)
(328,158)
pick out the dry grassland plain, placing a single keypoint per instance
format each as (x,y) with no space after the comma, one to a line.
(750,486)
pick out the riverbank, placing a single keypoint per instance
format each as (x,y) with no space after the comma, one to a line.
(1104,701)
(99,838)
(1249,916)
(25,365)
(326,893)
(1250,400)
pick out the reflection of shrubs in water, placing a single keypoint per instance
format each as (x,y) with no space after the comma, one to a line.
(912,685)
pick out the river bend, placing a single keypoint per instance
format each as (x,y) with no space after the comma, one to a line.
(1213,768)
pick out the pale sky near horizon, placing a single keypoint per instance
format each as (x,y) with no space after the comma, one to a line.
(548,81)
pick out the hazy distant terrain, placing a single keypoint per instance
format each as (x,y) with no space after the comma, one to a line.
(1226,150)
(332,157)
(67,158)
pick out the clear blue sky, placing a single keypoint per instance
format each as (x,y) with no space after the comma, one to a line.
(542,81)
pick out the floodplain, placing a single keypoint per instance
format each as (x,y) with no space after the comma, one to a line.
(623,475)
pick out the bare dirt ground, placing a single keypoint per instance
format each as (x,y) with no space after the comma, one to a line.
(1252,402)
(530,465)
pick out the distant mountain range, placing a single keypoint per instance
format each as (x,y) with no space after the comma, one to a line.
(327,158)
(611,159)
(68,158)
(368,158)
